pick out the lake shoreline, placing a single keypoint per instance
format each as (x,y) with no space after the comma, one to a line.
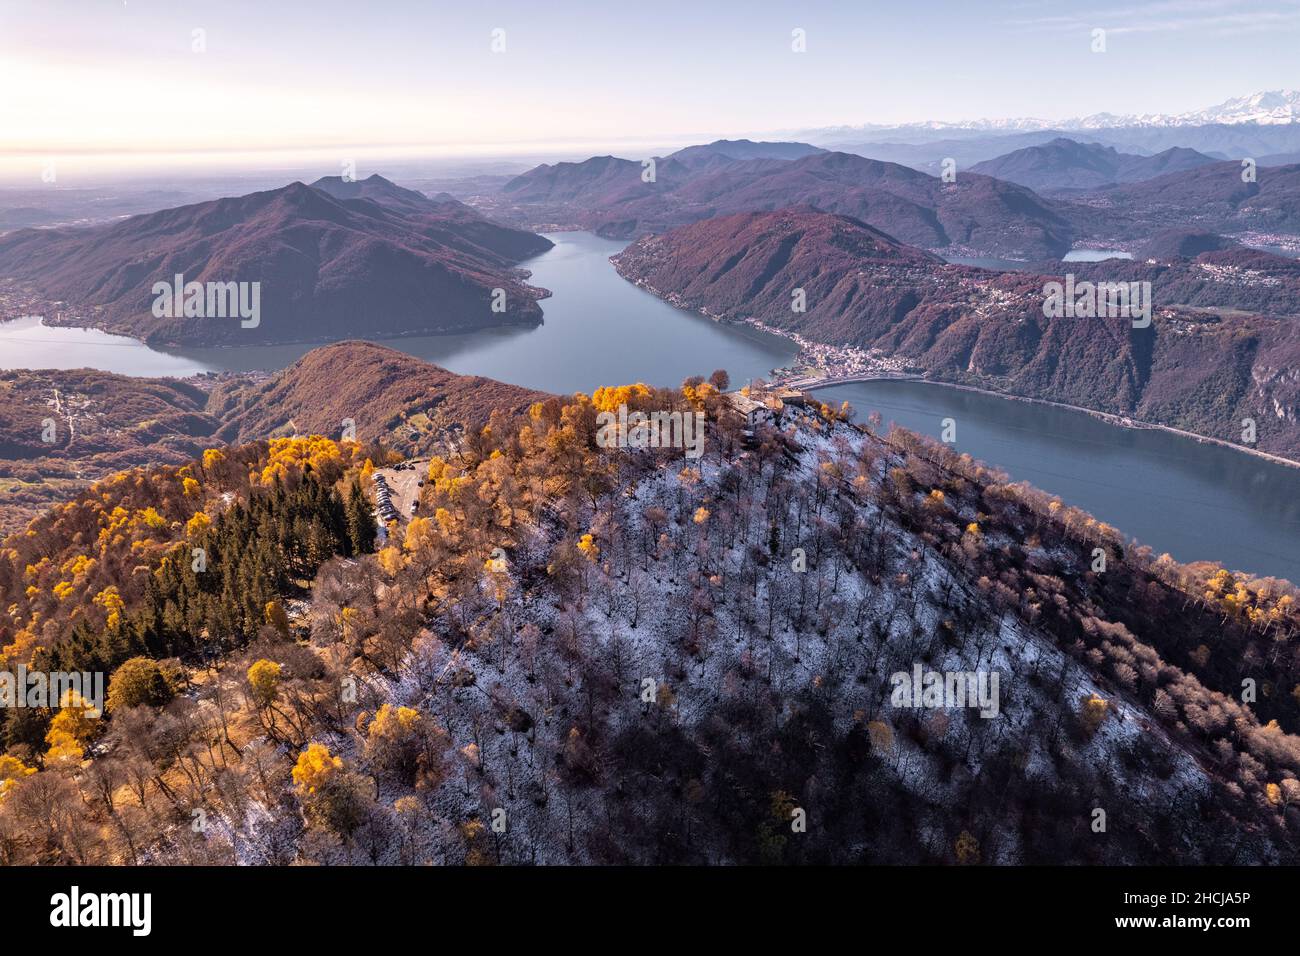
(885,374)
(1108,417)
(600,329)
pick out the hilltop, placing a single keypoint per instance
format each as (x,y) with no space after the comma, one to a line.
(622,656)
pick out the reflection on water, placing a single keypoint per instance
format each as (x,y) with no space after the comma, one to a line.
(1019,265)
(1095,255)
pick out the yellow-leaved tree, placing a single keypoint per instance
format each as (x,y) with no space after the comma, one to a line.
(138,681)
(11,771)
(264,682)
(1094,711)
(73,726)
(275,616)
(315,768)
(395,740)
(331,795)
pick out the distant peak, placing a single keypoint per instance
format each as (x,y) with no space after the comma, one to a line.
(748,149)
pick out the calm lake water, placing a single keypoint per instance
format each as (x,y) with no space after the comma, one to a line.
(25,343)
(1095,255)
(1019,265)
(1195,501)
(598,330)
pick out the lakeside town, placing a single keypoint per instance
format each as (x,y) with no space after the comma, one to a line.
(818,364)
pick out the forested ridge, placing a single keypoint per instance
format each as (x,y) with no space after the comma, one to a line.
(584,654)
(61,430)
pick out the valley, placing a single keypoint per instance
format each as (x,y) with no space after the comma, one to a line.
(597,320)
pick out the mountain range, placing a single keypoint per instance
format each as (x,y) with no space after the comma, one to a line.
(1092,195)
(1269,108)
(610,196)
(1263,127)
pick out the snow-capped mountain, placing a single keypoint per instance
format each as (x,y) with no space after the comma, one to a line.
(1271,108)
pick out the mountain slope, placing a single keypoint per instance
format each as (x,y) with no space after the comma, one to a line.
(96,423)
(1173,244)
(1213,197)
(853,277)
(386,394)
(1196,367)
(103,423)
(328,268)
(619,654)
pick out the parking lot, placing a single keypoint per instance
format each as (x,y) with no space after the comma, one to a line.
(396,489)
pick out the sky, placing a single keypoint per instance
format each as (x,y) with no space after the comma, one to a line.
(130,78)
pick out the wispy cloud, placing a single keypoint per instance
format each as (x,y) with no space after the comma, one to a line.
(1214,17)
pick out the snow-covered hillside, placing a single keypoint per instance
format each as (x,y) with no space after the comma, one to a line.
(709,680)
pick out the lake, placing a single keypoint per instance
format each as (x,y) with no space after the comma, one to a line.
(25,343)
(1020,265)
(1095,255)
(598,330)
(1196,501)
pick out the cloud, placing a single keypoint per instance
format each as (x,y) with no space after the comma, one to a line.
(1215,17)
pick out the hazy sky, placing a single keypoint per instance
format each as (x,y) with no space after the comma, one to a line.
(95,75)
